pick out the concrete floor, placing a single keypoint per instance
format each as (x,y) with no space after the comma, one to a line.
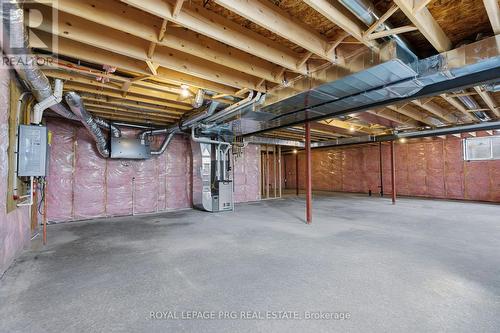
(423,265)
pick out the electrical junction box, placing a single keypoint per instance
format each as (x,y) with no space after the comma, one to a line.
(32,151)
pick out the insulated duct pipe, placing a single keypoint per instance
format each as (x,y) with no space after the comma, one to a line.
(186,124)
(15,46)
(76,105)
(113,130)
(366,12)
(206,140)
(230,110)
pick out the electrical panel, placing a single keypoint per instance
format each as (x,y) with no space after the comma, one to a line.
(32,151)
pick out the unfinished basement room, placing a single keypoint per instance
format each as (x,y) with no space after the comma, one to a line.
(250,166)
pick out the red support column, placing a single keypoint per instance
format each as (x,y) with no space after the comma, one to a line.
(297,173)
(393,172)
(308,174)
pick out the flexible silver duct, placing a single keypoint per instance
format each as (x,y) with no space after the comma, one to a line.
(76,105)
(366,12)
(113,130)
(15,46)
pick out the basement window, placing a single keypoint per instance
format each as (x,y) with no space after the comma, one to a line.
(480,149)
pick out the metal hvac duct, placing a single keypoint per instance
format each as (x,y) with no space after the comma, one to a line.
(387,83)
(15,46)
(366,12)
(113,130)
(76,105)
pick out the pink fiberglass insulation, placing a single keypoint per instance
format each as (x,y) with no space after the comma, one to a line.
(247,175)
(89,195)
(14,226)
(60,177)
(84,185)
(119,187)
(430,167)
(178,174)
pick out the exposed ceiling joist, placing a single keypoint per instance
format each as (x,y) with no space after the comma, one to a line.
(457,105)
(395,31)
(131,104)
(143,25)
(489,101)
(117,94)
(381,20)
(340,18)
(92,54)
(208,23)
(493,10)
(83,31)
(412,113)
(395,117)
(279,22)
(437,110)
(143,91)
(418,5)
(426,24)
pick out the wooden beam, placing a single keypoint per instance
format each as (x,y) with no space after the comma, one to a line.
(163,31)
(177,8)
(278,21)
(117,94)
(395,117)
(437,110)
(143,91)
(395,31)
(304,58)
(420,4)
(457,105)
(128,19)
(78,29)
(91,54)
(156,115)
(210,24)
(493,11)
(152,67)
(130,104)
(333,45)
(426,24)
(151,49)
(341,19)
(381,20)
(489,101)
(412,113)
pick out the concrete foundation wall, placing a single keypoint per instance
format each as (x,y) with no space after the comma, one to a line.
(14,226)
(82,185)
(432,167)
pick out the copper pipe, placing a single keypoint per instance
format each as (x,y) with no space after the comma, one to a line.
(308,174)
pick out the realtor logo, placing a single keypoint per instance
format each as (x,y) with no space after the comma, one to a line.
(29,31)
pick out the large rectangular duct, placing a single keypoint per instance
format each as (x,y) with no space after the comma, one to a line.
(384,83)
